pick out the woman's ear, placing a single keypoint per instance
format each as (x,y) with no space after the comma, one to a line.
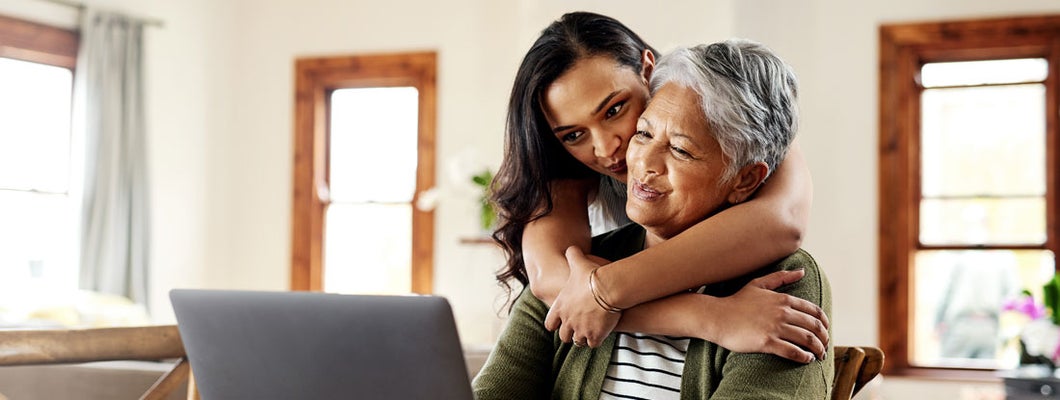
(647,59)
(747,181)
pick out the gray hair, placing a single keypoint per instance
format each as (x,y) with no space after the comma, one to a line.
(748,98)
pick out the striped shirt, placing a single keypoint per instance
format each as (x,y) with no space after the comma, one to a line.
(607,211)
(645,367)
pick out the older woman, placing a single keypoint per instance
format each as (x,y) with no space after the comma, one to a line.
(721,117)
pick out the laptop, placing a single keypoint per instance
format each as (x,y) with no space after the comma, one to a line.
(309,345)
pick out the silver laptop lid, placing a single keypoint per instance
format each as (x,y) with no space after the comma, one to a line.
(305,345)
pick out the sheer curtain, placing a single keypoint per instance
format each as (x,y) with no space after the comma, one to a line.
(109,104)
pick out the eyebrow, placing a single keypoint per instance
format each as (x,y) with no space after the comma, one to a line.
(681,135)
(674,134)
(599,107)
(692,141)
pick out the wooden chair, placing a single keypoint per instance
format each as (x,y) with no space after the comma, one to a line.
(71,346)
(854,367)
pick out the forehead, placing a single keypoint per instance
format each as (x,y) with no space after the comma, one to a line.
(588,82)
(676,107)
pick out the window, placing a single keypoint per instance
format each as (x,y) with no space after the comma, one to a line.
(372,129)
(968,205)
(39,178)
(364,152)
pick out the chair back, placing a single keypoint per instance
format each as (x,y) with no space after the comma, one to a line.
(71,346)
(855,366)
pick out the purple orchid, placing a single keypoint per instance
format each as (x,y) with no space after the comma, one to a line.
(1026,305)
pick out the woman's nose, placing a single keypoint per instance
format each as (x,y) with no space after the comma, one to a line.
(646,159)
(606,144)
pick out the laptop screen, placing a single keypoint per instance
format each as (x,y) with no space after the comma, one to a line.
(307,345)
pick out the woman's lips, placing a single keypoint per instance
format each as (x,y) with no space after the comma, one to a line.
(617,168)
(644,192)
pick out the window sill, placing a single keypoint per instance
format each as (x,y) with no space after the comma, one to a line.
(946,374)
(476,240)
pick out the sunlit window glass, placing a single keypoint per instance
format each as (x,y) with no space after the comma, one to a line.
(960,297)
(372,173)
(34,126)
(373,144)
(970,73)
(983,165)
(982,187)
(38,215)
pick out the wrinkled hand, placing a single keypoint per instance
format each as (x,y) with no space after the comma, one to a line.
(575,312)
(759,320)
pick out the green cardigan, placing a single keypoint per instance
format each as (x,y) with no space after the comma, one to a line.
(529,362)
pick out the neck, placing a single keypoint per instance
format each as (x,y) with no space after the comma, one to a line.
(651,239)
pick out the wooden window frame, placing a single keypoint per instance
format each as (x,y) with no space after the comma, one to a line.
(33,42)
(315,80)
(904,48)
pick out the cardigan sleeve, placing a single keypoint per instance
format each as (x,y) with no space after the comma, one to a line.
(520,365)
(766,376)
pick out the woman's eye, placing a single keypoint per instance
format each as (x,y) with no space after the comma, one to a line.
(611,112)
(571,137)
(681,152)
(642,134)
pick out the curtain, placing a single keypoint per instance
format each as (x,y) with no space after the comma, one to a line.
(109,104)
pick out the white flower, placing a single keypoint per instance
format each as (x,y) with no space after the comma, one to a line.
(1041,337)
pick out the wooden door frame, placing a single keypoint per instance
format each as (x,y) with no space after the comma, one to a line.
(315,79)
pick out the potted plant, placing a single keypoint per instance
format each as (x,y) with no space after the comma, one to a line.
(486,215)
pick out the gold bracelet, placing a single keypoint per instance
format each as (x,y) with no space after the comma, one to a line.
(598,296)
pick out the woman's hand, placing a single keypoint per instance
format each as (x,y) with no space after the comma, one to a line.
(759,320)
(575,312)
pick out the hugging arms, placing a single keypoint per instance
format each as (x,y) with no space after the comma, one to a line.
(714,130)
(577,97)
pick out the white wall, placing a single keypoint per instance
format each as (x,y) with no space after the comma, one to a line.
(220,104)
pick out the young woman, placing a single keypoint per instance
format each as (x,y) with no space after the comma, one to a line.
(574,107)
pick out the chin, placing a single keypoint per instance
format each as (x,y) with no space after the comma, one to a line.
(645,219)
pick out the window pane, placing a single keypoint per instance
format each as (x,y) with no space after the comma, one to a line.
(982,221)
(368,249)
(34,126)
(958,303)
(984,72)
(983,141)
(373,144)
(38,240)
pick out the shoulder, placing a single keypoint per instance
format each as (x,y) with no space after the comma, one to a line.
(525,328)
(813,286)
(529,307)
(800,259)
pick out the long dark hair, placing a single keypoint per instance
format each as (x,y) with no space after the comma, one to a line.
(533,157)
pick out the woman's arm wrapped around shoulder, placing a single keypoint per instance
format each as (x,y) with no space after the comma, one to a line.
(546,239)
(734,242)
(768,377)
